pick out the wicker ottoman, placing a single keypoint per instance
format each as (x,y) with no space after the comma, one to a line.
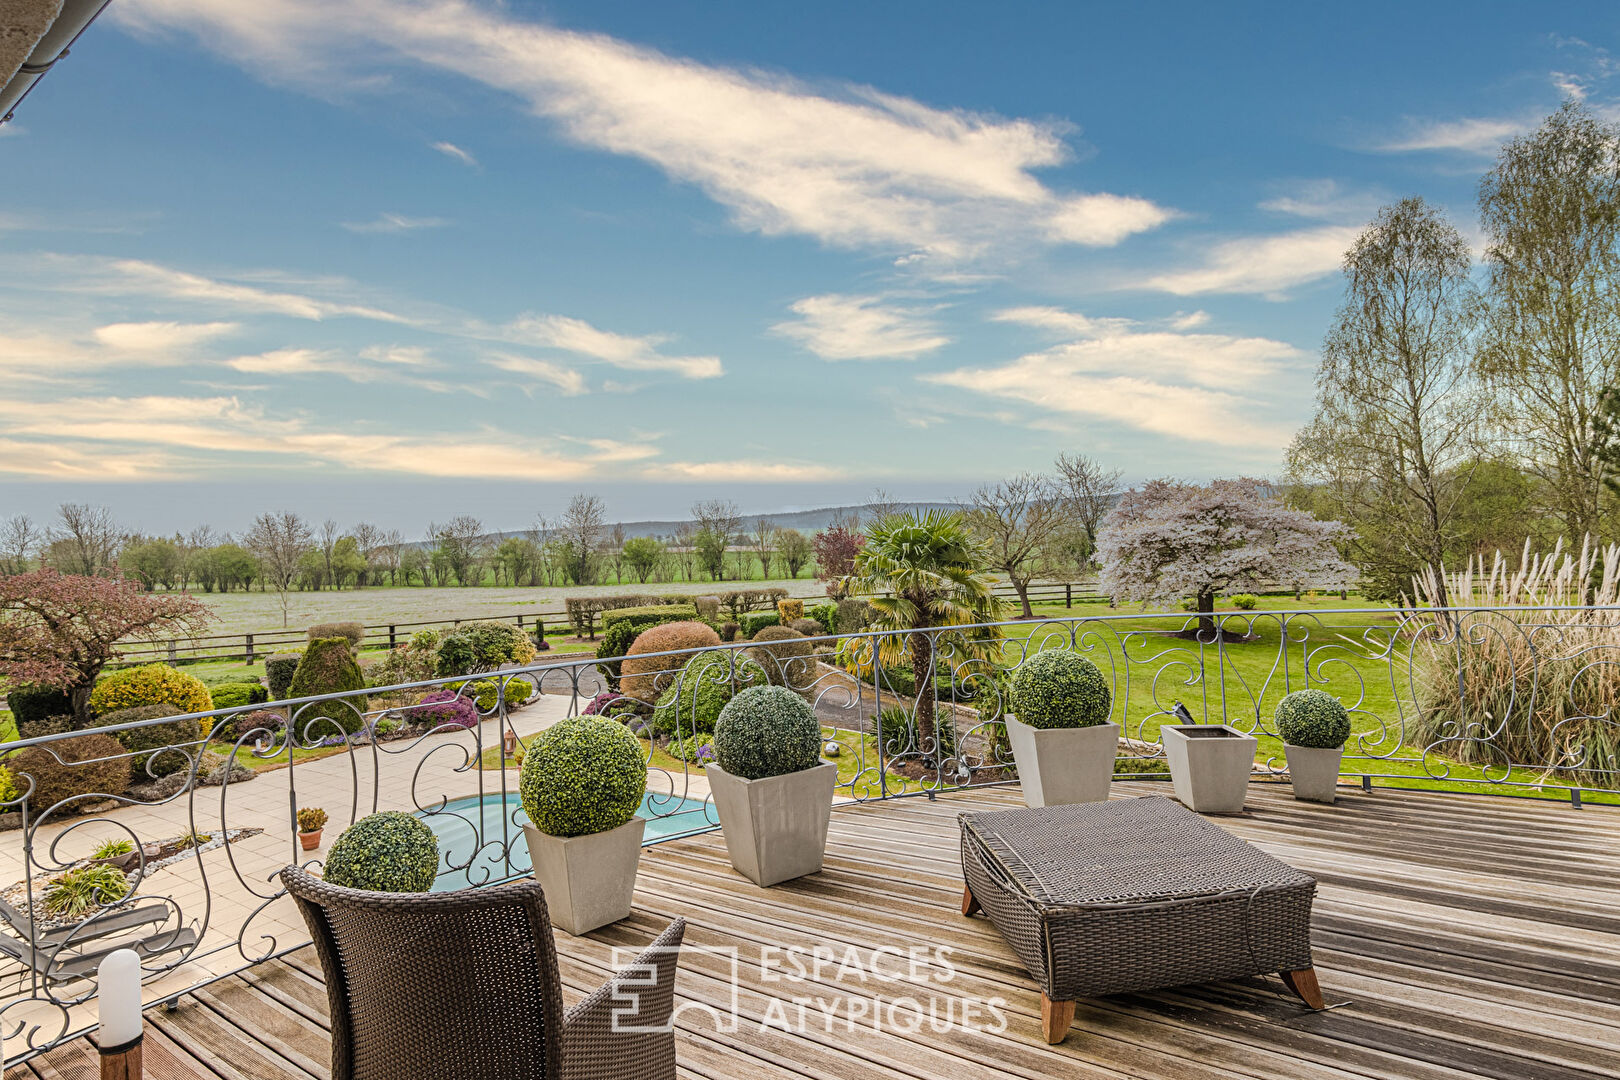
(1134,894)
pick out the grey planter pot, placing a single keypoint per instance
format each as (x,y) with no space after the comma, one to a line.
(775,828)
(1063,765)
(1314,772)
(1209,765)
(589,880)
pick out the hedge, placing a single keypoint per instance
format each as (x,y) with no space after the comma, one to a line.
(33,705)
(648,615)
(278,673)
(826,615)
(583,610)
(737,601)
(236,694)
(481,646)
(752,622)
(692,703)
(352,632)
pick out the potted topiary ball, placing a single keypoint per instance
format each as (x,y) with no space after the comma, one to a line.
(581,783)
(1057,723)
(771,789)
(387,852)
(1313,726)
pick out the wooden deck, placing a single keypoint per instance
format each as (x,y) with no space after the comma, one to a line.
(1467,937)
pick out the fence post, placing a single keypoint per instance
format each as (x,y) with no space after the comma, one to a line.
(1068,594)
(390,635)
(172,654)
(250,649)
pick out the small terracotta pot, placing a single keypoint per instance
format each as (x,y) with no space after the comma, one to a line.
(310,840)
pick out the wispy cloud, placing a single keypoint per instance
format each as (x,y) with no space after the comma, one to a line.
(627,351)
(395,223)
(852,166)
(1198,387)
(741,471)
(450,149)
(51,355)
(370,365)
(839,327)
(566,380)
(1478,135)
(1264,265)
(161,336)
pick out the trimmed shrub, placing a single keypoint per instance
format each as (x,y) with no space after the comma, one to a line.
(32,705)
(692,702)
(738,601)
(236,694)
(1057,689)
(55,780)
(827,616)
(51,725)
(645,679)
(854,615)
(486,692)
(234,727)
(729,631)
(1314,719)
(651,615)
(600,702)
(789,610)
(388,852)
(328,667)
(278,673)
(311,819)
(1245,601)
(583,610)
(483,646)
(616,641)
(583,775)
(415,661)
(150,684)
(808,627)
(708,607)
(8,785)
(444,707)
(150,740)
(352,632)
(752,622)
(788,659)
(767,731)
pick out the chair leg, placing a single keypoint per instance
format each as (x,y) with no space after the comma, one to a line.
(969,905)
(1056,1019)
(1303,983)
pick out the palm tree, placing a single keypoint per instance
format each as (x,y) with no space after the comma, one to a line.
(923,572)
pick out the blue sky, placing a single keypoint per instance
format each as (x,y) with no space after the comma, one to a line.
(404,260)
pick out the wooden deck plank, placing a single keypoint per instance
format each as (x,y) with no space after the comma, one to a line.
(1472,938)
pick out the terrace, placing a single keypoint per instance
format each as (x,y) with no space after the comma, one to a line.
(1465,934)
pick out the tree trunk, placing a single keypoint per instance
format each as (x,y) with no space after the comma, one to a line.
(79,697)
(1206,615)
(922,670)
(1021,586)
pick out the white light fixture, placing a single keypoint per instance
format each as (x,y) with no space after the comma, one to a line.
(119,1035)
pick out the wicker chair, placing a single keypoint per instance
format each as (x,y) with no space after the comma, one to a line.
(465,985)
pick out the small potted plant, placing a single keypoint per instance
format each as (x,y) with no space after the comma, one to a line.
(391,851)
(581,783)
(771,789)
(311,820)
(1057,725)
(1313,726)
(1209,763)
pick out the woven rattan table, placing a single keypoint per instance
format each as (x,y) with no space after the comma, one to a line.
(1134,894)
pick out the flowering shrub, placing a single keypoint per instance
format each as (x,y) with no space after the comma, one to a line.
(444,707)
(602,701)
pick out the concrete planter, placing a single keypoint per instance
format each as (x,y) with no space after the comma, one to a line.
(775,828)
(1209,765)
(589,880)
(1063,765)
(1314,772)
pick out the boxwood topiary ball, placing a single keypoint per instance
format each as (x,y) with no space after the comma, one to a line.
(1057,689)
(767,731)
(1314,719)
(388,852)
(584,775)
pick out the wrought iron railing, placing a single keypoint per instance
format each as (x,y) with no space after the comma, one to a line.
(1505,700)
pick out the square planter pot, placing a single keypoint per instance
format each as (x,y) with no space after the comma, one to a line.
(775,828)
(1209,765)
(589,880)
(1314,772)
(1063,765)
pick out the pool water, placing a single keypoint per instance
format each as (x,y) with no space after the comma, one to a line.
(667,816)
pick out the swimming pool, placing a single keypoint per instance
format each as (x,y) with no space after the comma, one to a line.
(463,822)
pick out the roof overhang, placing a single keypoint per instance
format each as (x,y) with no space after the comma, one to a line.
(35,34)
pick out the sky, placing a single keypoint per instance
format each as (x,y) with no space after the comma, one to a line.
(405,259)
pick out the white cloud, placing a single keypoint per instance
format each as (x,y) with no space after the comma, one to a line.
(402,355)
(837,327)
(741,472)
(395,223)
(1267,265)
(851,166)
(1480,135)
(1325,200)
(1188,320)
(1197,387)
(160,336)
(450,149)
(625,351)
(570,382)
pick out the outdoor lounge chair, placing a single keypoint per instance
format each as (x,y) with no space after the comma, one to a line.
(428,986)
(67,953)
